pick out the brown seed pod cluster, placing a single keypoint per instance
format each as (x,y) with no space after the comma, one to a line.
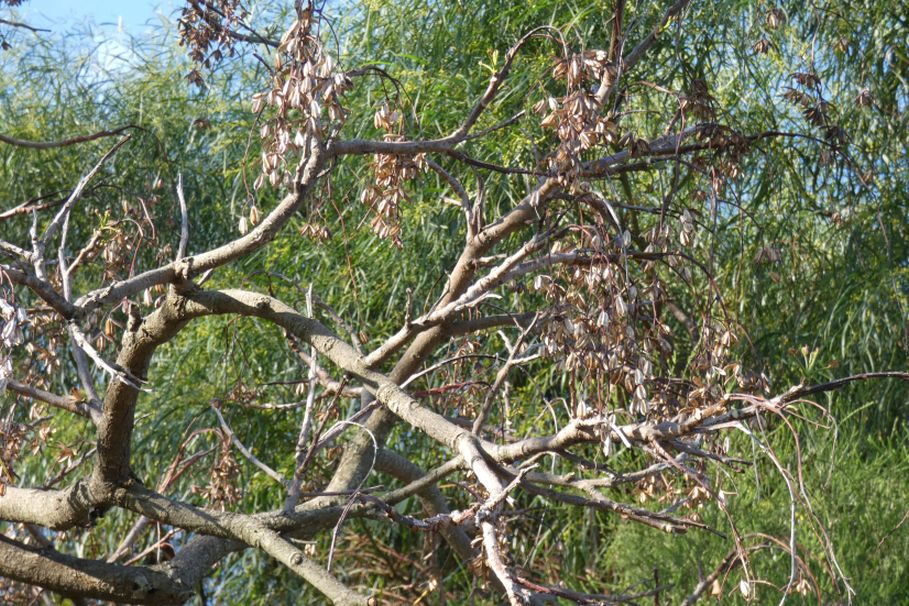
(12,438)
(609,326)
(315,231)
(43,354)
(762,46)
(205,29)
(577,118)
(606,323)
(816,110)
(603,323)
(775,18)
(385,193)
(697,100)
(222,489)
(306,89)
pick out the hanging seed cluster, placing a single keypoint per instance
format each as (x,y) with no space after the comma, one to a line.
(607,326)
(204,28)
(385,194)
(697,101)
(603,323)
(577,118)
(38,334)
(306,89)
(817,111)
(222,489)
(12,439)
(607,322)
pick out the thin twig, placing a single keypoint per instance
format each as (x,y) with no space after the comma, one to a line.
(23,26)
(63,213)
(502,374)
(301,449)
(184,220)
(63,143)
(274,475)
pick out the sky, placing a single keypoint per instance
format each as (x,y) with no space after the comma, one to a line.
(131,16)
(112,23)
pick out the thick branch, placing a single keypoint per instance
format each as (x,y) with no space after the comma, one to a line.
(434,503)
(83,578)
(258,531)
(69,403)
(42,288)
(57,509)
(332,347)
(116,427)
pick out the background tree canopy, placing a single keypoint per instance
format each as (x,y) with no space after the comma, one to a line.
(465,302)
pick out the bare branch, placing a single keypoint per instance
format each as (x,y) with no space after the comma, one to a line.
(22,25)
(434,502)
(11,249)
(501,375)
(469,298)
(707,582)
(63,213)
(65,142)
(57,509)
(67,403)
(271,473)
(631,59)
(300,451)
(40,287)
(285,552)
(495,82)
(184,220)
(804,391)
(83,578)
(192,266)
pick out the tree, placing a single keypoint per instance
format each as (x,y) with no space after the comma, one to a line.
(541,317)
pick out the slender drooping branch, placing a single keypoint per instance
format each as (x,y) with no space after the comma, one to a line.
(64,142)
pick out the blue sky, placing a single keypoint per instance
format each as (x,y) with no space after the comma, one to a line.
(59,15)
(111,23)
